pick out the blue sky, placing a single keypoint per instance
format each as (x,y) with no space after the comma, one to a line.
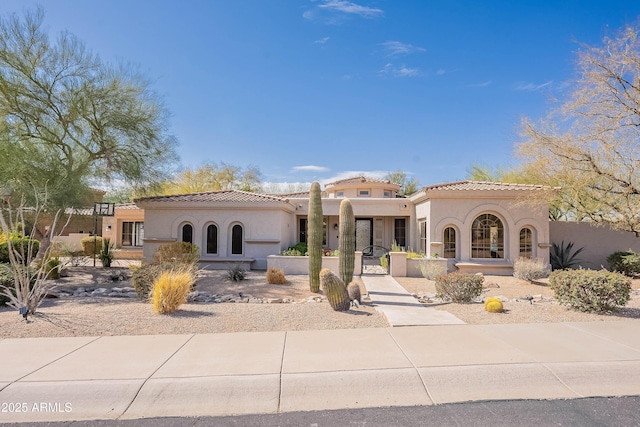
(323,89)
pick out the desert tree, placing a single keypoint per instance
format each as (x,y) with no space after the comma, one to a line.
(211,177)
(590,143)
(407,185)
(68,120)
(27,288)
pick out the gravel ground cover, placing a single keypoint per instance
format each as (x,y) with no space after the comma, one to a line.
(524,302)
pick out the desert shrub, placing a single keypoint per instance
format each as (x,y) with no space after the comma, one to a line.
(275,276)
(88,244)
(177,252)
(459,287)
(563,257)
(236,273)
(299,247)
(7,282)
(54,266)
(20,245)
(171,289)
(106,253)
(590,290)
(384,261)
(530,269)
(292,252)
(627,262)
(493,305)
(142,278)
(412,254)
(432,270)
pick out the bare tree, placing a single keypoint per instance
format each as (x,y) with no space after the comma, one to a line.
(590,144)
(28,272)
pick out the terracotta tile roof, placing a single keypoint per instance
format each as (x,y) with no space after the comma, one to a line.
(483,186)
(216,196)
(298,195)
(126,206)
(361,178)
(79,211)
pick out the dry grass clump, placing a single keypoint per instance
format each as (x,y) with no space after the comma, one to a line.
(530,269)
(170,290)
(275,276)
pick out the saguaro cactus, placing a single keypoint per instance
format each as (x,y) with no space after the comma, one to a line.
(347,241)
(314,236)
(335,290)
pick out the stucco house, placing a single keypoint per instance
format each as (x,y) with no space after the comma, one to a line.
(477,226)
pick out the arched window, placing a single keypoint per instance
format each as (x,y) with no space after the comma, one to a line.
(212,239)
(487,237)
(449,242)
(187,233)
(526,243)
(236,240)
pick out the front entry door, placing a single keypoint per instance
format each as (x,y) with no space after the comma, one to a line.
(364,233)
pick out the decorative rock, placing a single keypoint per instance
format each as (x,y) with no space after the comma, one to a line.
(274,300)
(131,295)
(119,290)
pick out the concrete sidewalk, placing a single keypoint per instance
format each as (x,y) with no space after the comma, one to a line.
(400,307)
(126,377)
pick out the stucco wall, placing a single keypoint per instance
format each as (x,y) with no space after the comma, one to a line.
(262,231)
(598,242)
(514,214)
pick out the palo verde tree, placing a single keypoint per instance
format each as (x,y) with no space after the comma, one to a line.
(69,120)
(213,177)
(590,144)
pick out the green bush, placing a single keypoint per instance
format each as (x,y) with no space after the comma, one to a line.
(236,273)
(88,244)
(300,247)
(590,290)
(625,262)
(459,287)
(54,266)
(19,244)
(7,281)
(142,278)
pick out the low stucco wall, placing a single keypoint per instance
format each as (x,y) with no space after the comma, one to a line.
(598,241)
(300,264)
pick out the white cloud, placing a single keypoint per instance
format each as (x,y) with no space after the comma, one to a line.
(322,40)
(402,71)
(309,168)
(393,48)
(341,7)
(532,86)
(441,72)
(353,8)
(481,84)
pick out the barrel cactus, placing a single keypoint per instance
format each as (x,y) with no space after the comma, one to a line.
(347,241)
(314,236)
(354,293)
(335,290)
(493,305)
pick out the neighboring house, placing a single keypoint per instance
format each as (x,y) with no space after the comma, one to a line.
(478,226)
(125,230)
